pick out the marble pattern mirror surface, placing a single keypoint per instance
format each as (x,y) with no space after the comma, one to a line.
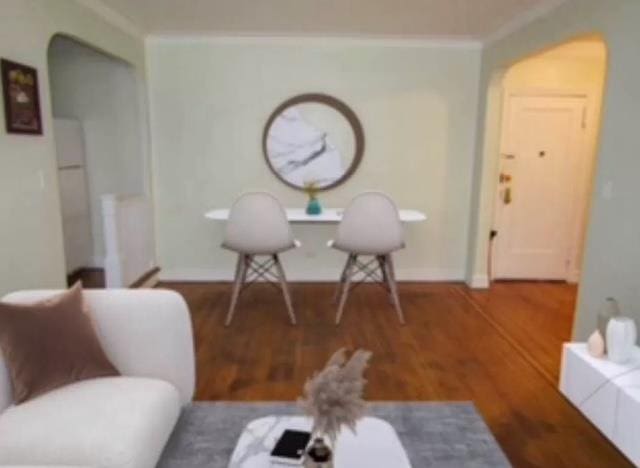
(313,139)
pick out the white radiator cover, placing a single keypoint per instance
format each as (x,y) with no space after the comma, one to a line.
(128,234)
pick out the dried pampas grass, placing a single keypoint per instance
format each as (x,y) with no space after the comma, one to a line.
(333,396)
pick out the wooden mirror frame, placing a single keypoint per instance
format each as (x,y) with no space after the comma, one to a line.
(337,105)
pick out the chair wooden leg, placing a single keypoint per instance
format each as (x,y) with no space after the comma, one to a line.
(383,269)
(391,280)
(241,272)
(248,259)
(346,284)
(343,275)
(285,289)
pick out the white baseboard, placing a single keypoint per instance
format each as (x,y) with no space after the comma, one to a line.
(479,282)
(315,275)
(573,277)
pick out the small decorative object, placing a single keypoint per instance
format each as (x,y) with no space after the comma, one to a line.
(621,339)
(609,309)
(333,399)
(595,345)
(21,99)
(319,455)
(313,206)
(313,133)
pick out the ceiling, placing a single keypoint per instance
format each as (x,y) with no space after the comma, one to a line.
(453,19)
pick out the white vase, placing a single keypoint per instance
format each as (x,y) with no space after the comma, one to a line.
(621,339)
(609,309)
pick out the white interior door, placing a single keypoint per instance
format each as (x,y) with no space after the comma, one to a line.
(542,146)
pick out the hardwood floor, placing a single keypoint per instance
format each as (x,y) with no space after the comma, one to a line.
(457,345)
(90,277)
(537,316)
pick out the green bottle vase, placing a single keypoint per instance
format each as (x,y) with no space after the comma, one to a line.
(314,207)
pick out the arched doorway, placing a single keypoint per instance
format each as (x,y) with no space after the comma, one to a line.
(100,146)
(541,141)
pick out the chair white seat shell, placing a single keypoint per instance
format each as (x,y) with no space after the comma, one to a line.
(258,225)
(370,226)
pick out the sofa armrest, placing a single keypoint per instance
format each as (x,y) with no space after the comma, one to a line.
(145,333)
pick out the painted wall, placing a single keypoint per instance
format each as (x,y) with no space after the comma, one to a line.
(31,245)
(612,256)
(102,93)
(74,194)
(210,99)
(576,67)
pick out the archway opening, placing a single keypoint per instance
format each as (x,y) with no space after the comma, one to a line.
(541,142)
(99,146)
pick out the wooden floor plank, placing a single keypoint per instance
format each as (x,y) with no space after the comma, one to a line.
(537,315)
(449,350)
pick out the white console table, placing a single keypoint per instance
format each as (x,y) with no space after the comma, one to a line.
(607,393)
(328,215)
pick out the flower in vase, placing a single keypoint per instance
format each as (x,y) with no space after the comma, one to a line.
(333,397)
(311,188)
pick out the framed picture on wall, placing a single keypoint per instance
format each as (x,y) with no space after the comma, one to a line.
(21,99)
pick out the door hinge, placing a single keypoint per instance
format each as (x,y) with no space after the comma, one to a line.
(584,117)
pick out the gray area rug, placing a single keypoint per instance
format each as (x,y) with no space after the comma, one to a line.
(448,435)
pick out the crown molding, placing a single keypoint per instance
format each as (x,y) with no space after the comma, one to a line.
(522,20)
(112,17)
(314,40)
(305,38)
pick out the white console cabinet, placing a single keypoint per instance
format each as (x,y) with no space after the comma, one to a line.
(606,393)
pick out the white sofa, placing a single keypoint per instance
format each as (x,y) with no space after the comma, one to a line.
(113,422)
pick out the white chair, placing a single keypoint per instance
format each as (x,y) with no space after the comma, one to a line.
(370,226)
(258,226)
(109,422)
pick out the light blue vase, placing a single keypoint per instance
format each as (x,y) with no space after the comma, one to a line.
(314,207)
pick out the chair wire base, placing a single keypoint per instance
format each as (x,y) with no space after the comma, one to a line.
(378,269)
(249,270)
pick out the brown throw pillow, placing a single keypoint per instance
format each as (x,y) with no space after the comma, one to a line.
(50,344)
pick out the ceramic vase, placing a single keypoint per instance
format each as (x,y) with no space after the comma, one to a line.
(595,345)
(314,207)
(621,339)
(319,455)
(608,310)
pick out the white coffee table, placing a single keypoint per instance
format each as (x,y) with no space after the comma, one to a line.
(375,444)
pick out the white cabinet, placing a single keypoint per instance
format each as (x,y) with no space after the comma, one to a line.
(607,393)
(628,427)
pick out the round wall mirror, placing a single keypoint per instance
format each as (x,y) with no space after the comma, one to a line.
(313,140)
